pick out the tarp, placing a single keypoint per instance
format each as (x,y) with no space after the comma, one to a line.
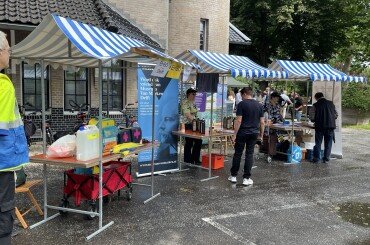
(229,64)
(57,38)
(232,82)
(313,71)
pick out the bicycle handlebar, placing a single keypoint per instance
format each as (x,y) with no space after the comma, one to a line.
(78,107)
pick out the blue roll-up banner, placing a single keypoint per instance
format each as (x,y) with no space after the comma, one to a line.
(166,118)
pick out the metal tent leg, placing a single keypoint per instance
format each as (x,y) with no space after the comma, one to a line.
(98,231)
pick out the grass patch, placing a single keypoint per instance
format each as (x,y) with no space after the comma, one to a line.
(362,127)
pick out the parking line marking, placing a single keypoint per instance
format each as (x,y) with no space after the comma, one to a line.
(229,232)
(212,220)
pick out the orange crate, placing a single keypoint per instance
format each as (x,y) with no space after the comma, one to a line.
(217,161)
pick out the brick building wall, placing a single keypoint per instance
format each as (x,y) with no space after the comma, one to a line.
(150,16)
(183,18)
(184,25)
(173,23)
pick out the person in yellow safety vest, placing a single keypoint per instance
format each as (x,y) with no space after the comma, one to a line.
(13,145)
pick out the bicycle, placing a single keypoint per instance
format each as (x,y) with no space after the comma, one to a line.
(30,127)
(129,120)
(28,124)
(83,111)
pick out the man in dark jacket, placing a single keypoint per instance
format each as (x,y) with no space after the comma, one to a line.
(323,114)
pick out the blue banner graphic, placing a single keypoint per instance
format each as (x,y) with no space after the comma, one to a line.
(166,119)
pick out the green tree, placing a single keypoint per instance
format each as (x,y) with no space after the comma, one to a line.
(262,21)
(354,56)
(356,96)
(299,29)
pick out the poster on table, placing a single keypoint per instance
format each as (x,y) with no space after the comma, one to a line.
(204,105)
(200,101)
(166,120)
(221,94)
(327,89)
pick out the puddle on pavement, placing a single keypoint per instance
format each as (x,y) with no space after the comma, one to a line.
(241,186)
(353,168)
(354,212)
(187,190)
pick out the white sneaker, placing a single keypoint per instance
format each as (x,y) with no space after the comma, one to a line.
(247,182)
(232,179)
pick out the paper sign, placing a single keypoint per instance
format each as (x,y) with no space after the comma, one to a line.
(186,73)
(174,71)
(161,68)
(200,101)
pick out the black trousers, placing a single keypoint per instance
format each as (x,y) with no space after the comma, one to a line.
(248,141)
(328,136)
(192,150)
(7,189)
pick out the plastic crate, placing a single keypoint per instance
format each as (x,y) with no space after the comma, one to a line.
(217,161)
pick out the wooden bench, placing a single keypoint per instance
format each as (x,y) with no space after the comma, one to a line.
(25,188)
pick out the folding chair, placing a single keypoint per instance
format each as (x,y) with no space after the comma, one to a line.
(25,188)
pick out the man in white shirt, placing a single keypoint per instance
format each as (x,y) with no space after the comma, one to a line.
(238,98)
(286,101)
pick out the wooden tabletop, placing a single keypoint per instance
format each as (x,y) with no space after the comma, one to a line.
(72,161)
(288,127)
(197,135)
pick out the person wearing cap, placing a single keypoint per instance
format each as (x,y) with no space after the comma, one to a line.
(189,111)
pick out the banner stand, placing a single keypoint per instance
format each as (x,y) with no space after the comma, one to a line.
(152,164)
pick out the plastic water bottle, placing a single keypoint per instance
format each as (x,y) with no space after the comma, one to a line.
(87,143)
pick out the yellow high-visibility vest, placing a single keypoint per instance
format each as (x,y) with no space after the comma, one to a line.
(13,143)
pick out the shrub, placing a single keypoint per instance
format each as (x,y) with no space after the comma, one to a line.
(356,96)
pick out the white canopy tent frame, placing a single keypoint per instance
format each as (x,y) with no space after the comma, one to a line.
(231,65)
(316,72)
(62,41)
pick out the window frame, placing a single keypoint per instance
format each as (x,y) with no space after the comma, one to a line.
(123,75)
(75,94)
(47,89)
(204,29)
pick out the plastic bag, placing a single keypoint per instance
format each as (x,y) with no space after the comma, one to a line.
(63,147)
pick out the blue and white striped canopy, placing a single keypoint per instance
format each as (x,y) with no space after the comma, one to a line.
(229,64)
(313,71)
(78,44)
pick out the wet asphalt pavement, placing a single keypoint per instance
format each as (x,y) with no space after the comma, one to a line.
(288,204)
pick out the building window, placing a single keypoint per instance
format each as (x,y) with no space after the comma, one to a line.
(31,80)
(75,88)
(203,35)
(113,77)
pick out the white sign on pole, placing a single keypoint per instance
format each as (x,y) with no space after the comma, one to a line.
(161,68)
(326,88)
(186,73)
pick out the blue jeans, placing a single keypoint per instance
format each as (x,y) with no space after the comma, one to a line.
(298,115)
(249,141)
(328,136)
